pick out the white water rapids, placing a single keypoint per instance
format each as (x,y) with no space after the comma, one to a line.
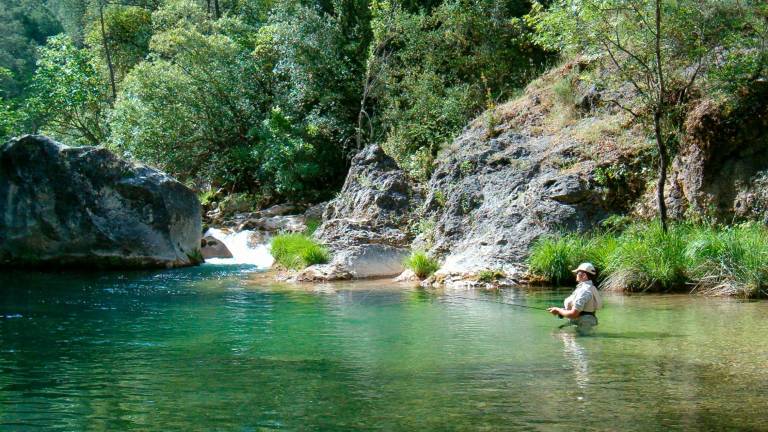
(244,250)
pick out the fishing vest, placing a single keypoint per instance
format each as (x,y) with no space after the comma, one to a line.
(584,289)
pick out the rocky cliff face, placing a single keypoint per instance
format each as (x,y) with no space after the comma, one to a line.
(721,172)
(84,207)
(365,226)
(557,158)
(489,199)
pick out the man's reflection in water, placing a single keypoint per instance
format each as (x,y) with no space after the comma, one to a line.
(576,355)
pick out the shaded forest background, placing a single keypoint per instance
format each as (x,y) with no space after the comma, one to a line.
(267,97)
(272,98)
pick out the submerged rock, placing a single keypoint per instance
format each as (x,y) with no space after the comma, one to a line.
(365,227)
(85,207)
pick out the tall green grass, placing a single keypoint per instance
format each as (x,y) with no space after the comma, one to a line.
(555,257)
(731,261)
(421,264)
(298,251)
(648,259)
(712,260)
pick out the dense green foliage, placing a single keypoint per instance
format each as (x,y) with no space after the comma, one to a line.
(660,49)
(718,260)
(436,70)
(67,95)
(724,40)
(298,251)
(421,264)
(24,25)
(256,96)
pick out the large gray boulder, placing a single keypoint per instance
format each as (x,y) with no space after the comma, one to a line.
(366,225)
(84,207)
(489,199)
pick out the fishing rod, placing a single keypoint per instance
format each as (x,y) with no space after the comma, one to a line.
(497,302)
(507,303)
(481,300)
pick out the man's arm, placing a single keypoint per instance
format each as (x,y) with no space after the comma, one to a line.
(565,313)
(578,305)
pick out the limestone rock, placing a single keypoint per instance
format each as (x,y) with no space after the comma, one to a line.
(235,203)
(281,210)
(721,172)
(211,247)
(365,227)
(489,200)
(372,260)
(274,224)
(85,207)
(316,211)
(407,276)
(321,273)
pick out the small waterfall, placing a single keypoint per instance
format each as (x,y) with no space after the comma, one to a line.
(246,248)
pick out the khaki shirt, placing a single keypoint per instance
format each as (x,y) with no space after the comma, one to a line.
(584,298)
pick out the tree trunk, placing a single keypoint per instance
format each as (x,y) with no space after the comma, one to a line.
(657,114)
(662,205)
(107,53)
(359,134)
(217,12)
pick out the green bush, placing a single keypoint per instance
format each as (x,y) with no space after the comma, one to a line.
(421,264)
(554,257)
(298,251)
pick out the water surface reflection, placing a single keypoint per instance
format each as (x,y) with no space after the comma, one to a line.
(209,348)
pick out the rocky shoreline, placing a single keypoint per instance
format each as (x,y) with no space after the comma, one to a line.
(499,187)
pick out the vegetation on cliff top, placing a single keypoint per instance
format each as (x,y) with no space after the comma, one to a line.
(659,49)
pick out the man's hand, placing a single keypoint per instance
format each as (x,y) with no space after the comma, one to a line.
(556,311)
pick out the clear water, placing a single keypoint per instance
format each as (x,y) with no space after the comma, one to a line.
(214,348)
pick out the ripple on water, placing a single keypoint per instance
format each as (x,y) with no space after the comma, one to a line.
(200,349)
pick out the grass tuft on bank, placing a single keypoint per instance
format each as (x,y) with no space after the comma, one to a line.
(421,264)
(731,261)
(555,256)
(711,260)
(298,251)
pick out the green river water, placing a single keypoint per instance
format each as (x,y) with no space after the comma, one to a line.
(210,348)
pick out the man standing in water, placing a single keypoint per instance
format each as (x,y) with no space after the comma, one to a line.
(581,305)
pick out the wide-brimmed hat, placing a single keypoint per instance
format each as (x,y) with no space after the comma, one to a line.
(585,267)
